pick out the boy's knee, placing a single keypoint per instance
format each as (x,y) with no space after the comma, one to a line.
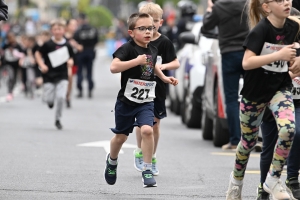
(120,138)
(146,130)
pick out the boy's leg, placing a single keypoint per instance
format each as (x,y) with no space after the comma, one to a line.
(61,92)
(293,161)
(49,94)
(124,120)
(110,171)
(145,120)
(282,107)
(147,143)
(137,153)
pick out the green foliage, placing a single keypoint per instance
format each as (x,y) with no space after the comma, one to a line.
(161,2)
(83,5)
(99,16)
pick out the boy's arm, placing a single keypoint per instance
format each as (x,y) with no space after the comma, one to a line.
(40,62)
(164,78)
(119,66)
(170,66)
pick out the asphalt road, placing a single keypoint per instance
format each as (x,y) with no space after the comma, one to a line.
(40,162)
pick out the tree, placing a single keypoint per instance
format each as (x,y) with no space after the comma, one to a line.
(99,16)
(161,2)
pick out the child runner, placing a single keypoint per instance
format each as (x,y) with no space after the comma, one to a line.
(54,58)
(134,107)
(12,52)
(168,59)
(267,84)
(270,136)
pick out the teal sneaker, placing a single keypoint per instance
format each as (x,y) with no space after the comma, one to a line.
(155,170)
(138,160)
(148,179)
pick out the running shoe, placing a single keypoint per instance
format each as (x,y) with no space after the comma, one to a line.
(138,160)
(275,188)
(9,97)
(148,179)
(234,191)
(58,125)
(110,172)
(293,187)
(155,170)
(261,193)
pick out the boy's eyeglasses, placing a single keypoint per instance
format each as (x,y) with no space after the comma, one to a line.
(144,28)
(279,2)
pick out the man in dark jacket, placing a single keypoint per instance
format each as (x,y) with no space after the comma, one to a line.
(3,11)
(231,19)
(87,36)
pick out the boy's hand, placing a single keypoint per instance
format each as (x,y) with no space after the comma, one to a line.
(287,53)
(44,69)
(170,80)
(141,59)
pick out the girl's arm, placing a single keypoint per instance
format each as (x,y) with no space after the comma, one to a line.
(119,66)
(253,61)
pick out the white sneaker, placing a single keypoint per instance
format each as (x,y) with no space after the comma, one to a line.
(234,191)
(155,170)
(274,187)
(138,160)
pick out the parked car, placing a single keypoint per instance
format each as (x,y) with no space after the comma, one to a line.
(185,98)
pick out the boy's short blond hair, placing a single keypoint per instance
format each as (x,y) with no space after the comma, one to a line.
(58,22)
(134,17)
(152,9)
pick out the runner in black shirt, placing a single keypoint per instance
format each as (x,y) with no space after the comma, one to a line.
(134,107)
(167,60)
(54,58)
(269,48)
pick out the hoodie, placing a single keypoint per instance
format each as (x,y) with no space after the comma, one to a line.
(230,16)
(3,11)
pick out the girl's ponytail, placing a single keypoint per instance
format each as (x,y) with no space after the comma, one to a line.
(255,12)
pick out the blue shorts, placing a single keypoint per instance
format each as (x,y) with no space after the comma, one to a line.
(127,116)
(160,109)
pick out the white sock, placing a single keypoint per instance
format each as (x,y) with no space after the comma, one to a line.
(234,181)
(154,155)
(148,166)
(138,149)
(112,162)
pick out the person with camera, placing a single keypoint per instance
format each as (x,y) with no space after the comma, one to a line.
(226,14)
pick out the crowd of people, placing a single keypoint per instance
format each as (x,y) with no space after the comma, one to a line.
(42,64)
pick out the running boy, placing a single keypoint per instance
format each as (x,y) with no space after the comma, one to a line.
(168,61)
(54,58)
(267,83)
(134,107)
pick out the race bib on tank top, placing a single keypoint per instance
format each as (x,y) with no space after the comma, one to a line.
(277,66)
(140,91)
(296,88)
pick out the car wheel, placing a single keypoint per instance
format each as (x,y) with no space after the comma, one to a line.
(220,134)
(206,123)
(191,112)
(176,106)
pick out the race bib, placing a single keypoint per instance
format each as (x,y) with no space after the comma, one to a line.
(296,88)
(277,66)
(140,91)
(59,56)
